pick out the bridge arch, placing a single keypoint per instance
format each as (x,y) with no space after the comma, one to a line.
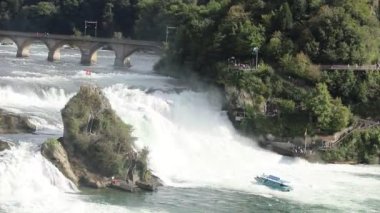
(9,38)
(2,38)
(118,49)
(122,59)
(23,46)
(55,50)
(127,54)
(93,52)
(88,46)
(122,52)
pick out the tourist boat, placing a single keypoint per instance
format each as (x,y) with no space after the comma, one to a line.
(273,182)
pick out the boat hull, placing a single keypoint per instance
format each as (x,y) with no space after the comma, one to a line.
(273,184)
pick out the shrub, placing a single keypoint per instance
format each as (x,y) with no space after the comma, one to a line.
(300,66)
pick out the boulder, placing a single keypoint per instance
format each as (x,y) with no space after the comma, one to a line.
(238,100)
(11,123)
(147,186)
(98,143)
(94,181)
(55,153)
(124,185)
(282,148)
(4,145)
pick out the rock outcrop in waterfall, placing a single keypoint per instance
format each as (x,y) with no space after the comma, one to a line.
(11,123)
(4,145)
(53,150)
(98,143)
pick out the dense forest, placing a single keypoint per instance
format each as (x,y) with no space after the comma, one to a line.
(68,16)
(287,92)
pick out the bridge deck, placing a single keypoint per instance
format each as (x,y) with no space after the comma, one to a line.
(38,35)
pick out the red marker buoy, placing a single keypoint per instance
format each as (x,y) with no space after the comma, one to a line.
(88,72)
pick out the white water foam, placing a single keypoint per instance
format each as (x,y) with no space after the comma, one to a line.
(49,99)
(193,144)
(43,109)
(29,183)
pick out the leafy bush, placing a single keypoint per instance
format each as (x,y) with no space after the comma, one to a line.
(51,143)
(285,106)
(300,66)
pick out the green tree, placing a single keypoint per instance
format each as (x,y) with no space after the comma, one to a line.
(321,106)
(314,4)
(341,116)
(331,115)
(285,17)
(108,19)
(285,106)
(338,37)
(42,9)
(299,8)
(240,34)
(278,46)
(300,66)
(70,7)
(342,84)
(152,20)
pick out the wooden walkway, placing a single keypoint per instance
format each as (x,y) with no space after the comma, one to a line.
(361,124)
(350,67)
(248,68)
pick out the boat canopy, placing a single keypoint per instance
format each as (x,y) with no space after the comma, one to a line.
(274,177)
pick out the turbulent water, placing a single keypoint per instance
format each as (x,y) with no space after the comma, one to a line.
(205,164)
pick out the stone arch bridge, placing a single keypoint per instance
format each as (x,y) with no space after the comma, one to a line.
(88,46)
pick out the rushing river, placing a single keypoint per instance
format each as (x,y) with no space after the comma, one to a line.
(205,164)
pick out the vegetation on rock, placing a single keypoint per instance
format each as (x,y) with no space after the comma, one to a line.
(98,143)
(94,134)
